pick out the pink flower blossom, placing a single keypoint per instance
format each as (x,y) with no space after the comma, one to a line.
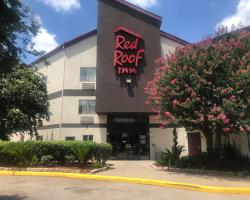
(221,116)
(226,130)
(175,103)
(202,119)
(193,94)
(154,110)
(173,81)
(210,117)
(214,109)
(242,129)
(168,114)
(165,123)
(188,101)
(226,121)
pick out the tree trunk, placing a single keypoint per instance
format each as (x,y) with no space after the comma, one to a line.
(3,134)
(218,140)
(209,141)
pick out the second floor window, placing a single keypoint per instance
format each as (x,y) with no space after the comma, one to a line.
(88,74)
(86,106)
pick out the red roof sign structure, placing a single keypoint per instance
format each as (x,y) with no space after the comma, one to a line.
(121,28)
(128,52)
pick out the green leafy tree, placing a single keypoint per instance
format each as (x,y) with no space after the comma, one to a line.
(205,86)
(23,94)
(24,102)
(18,25)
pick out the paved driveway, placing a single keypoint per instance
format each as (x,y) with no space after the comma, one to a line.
(46,188)
(142,169)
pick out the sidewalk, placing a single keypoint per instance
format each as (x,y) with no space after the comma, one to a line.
(143,169)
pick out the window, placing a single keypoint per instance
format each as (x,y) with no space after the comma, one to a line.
(39,138)
(88,138)
(88,74)
(86,106)
(71,138)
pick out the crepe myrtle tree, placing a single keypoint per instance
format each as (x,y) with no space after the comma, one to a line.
(24,102)
(205,86)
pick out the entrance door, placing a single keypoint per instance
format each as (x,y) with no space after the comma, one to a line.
(129,137)
(194,143)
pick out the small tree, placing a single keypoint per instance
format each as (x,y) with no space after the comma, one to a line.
(24,102)
(205,86)
(23,94)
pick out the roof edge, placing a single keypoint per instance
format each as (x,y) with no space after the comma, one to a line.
(139,9)
(92,33)
(173,37)
(65,44)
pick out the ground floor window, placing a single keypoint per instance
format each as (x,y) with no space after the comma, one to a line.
(88,138)
(39,138)
(86,106)
(71,138)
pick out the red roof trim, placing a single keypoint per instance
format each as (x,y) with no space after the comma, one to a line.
(139,9)
(174,38)
(120,28)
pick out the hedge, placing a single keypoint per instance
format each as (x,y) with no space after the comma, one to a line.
(53,153)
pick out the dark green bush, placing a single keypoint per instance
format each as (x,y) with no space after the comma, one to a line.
(101,152)
(170,158)
(15,153)
(226,158)
(82,151)
(70,159)
(45,153)
(47,160)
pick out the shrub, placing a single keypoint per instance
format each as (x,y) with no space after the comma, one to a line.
(70,159)
(47,160)
(82,151)
(47,153)
(227,158)
(170,158)
(15,153)
(56,149)
(101,152)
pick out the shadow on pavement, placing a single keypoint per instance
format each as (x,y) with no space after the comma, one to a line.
(12,197)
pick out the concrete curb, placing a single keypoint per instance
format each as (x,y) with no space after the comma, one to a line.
(94,171)
(185,186)
(47,169)
(243,174)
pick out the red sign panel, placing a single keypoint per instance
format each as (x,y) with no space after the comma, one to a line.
(127,54)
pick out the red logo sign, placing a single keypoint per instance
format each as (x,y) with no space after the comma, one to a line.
(127,54)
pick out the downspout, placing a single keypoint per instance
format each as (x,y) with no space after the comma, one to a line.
(62,94)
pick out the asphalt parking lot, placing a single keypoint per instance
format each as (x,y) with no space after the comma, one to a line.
(44,188)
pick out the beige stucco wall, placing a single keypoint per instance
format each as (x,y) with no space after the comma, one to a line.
(81,54)
(71,114)
(53,71)
(55,110)
(168,46)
